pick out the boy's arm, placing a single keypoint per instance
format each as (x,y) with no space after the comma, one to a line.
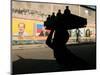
(49,38)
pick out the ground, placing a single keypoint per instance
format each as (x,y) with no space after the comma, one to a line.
(39,58)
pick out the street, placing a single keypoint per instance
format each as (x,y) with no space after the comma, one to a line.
(38,59)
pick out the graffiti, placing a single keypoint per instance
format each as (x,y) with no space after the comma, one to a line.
(27,11)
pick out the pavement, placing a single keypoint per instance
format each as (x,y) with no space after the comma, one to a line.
(39,58)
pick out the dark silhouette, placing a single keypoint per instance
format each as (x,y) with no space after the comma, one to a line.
(63,55)
(59,13)
(52,20)
(48,17)
(67,11)
(67,19)
(58,38)
(47,22)
(53,17)
(58,19)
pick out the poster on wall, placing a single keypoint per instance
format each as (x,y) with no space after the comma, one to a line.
(22,27)
(41,31)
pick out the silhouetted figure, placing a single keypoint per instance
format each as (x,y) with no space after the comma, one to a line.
(58,44)
(64,57)
(48,18)
(52,20)
(59,16)
(58,38)
(59,13)
(67,18)
(47,23)
(67,11)
(53,16)
(58,19)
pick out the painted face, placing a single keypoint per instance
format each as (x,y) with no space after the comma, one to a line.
(21,28)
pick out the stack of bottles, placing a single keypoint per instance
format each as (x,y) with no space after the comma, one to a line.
(66,20)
